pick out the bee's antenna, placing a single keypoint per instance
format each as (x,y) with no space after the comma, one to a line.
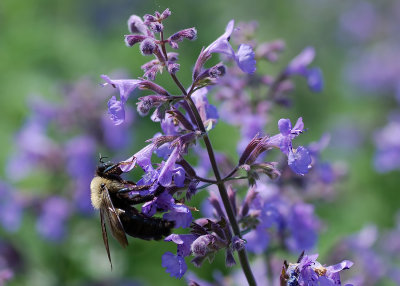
(101,158)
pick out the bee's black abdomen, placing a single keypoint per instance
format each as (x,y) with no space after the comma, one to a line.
(143,227)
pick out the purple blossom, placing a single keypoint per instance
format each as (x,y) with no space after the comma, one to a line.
(244,57)
(180,214)
(175,264)
(299,160)
(142,158)
(183,242)
(163,203)
(116,108)
(166,172)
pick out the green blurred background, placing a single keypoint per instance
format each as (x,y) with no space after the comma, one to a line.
(47,43)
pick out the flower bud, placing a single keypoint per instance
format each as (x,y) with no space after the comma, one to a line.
(237,243)
(147,47)
(229,259)
(149,19)
(156,27)
(130,40)
(173,68)
(164,15)
(199,247)
(136,25)
(146,84)
(190,34)
(144,106)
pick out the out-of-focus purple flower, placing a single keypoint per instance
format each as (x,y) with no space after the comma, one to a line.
(35,148)
(375,70)
(11,208)
(6,274)
(115,136)
(360,21)
(208,112)
(303,226)
(51,223)
(299,66)
(387,157)
(80,152)
(175,264)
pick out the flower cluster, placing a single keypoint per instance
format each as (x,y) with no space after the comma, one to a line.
(375,254)
(374,71)
(60,140)
(272,206)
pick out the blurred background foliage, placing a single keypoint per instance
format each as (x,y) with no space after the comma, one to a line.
(45,44)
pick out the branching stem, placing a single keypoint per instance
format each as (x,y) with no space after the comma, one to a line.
(219,181)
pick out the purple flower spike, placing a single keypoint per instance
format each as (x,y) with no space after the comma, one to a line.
(175,264)
(299,160)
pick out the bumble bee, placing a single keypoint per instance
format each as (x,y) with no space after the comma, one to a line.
(110,194)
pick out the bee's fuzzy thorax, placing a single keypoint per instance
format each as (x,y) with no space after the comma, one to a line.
(95,190)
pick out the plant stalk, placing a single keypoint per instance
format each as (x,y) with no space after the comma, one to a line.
(244,262)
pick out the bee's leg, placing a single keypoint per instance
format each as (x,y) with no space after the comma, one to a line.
(138,199)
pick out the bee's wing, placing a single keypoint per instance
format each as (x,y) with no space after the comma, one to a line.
(112,218)
(104,231)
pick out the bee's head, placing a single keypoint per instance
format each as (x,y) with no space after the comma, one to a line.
(107,168)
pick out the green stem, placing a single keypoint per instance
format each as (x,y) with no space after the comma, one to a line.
(223,193)
(220,183)
(223,180)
